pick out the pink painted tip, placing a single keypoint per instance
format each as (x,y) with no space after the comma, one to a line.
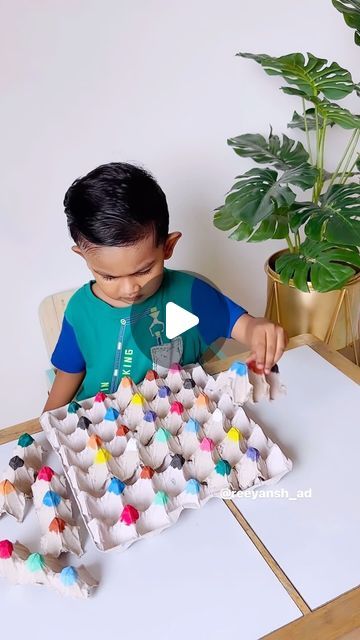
(6,549)
(129,515)
(100,397)
(45,473)
(177,407)
(207,444)
(174,367)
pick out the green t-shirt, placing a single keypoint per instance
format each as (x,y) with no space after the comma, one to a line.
(111,342)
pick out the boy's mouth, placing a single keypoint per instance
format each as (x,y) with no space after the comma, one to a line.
(133,299)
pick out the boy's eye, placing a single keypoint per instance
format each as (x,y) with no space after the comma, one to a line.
(140,273)
(143,272)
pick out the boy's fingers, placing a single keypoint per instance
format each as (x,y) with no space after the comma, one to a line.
(260,351)
(281,344)
(271,344)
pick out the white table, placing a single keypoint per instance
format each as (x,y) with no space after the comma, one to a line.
(240,567)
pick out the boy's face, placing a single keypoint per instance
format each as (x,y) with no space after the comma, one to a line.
(127,275)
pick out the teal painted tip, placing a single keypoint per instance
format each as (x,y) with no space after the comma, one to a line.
(222,467)
(161,498)
(73,407)
(35,562)
(162,435)
(25,440)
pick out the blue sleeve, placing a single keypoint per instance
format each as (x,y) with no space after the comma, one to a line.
(216,312)
(67,355)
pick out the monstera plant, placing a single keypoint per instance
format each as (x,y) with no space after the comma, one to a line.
(351,11)
(292,194)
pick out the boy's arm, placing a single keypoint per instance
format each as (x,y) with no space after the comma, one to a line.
(63,389)
(266,340)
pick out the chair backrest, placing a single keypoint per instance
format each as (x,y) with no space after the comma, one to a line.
(51,312)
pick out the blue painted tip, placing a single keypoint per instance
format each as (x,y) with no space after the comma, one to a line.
(240,368)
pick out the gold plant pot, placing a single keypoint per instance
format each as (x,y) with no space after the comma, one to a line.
(332,316)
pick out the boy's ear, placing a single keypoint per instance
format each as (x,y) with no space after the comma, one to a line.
(170,243)
(77,250)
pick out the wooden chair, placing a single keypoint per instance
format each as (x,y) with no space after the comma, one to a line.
(51,313)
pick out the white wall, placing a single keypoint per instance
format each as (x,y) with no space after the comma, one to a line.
(148,81)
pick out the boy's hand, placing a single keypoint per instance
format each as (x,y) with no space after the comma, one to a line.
(266,340)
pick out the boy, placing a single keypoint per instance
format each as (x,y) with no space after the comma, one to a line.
(114,325)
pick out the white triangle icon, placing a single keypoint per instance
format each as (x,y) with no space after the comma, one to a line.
(178,320)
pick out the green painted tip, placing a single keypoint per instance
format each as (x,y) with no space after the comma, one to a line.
(73,407)
(35,562)
(25,440)
(161,498)
(162,435)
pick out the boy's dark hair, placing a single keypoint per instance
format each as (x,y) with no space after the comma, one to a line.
(116,204)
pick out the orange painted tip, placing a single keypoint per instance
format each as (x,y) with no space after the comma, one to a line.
(202,400)
(126,382)
(122,430)
(177,407)
(94,442)
(207,444)
(100,397)
(152,375)
(6,487)
(147,473)
(57,525)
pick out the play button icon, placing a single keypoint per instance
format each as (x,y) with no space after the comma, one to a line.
(178,320)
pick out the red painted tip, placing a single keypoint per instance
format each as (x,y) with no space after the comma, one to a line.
(252,365)
(122,430)
(129,515)
(57,525)
(6,549)
(177,407)
(147,473)
(100,397)
(45,473)
(152,375)
(174,367)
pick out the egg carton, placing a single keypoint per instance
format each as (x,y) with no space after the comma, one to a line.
(137,458)
(20,566)
(19,476)
(59,532)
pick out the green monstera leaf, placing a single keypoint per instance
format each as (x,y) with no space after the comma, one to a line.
(282,155)
(259,192)
(325,265)
(276,226)
(298,120)
(336,218)
(351,12)
(310,77)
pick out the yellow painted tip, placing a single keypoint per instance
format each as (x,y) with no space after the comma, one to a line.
(137,399)
(6,487)
(102,456)
(234,434)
